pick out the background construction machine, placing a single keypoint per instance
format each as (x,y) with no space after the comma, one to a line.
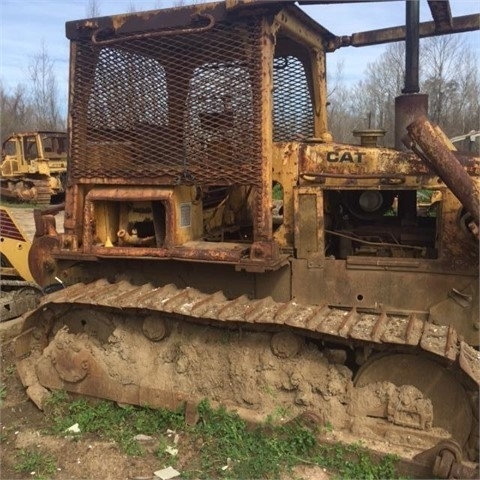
(19,293)
(183,283)
(33,167)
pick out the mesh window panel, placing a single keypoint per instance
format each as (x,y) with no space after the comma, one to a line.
(184,106)
(292,105)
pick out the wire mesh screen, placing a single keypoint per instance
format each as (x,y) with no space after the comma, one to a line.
(292,104)
(183,107)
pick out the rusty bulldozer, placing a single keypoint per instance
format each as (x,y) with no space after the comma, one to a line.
(180,276)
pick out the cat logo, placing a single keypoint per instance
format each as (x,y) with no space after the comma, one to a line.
(345,157)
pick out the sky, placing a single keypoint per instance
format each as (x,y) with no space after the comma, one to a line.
(27,24)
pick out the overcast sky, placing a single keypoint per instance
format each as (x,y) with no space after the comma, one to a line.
(25,24)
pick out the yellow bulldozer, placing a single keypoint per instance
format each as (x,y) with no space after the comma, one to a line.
(33,167)
(219,243)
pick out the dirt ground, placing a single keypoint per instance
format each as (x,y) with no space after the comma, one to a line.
(22,424)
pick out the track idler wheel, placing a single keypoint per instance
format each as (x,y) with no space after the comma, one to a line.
(451,406)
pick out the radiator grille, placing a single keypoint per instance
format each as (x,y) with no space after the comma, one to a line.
(182,107)
(8,229)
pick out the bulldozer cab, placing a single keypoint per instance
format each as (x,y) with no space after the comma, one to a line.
(33,166)
(220,116)
(53,145)
(194,112)
(30,148)
(19,150)
(11,155)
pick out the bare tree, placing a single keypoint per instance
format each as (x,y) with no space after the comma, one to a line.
(17,114)
(448,74)
(93,9)
(452,82)
(341,121)
(44,91)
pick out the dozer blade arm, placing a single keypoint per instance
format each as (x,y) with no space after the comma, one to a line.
(435,150)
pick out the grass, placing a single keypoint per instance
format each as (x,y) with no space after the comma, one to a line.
(109,421)
(225,446)
(260,452)
(37,464)
(354,462)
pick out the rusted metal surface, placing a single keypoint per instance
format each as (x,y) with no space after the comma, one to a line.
(412,47)
(357,163)
(41,261)
(407,108)
(449,169)
(162,33)
(442,14)
(445,461)
(465,23)
(165,19)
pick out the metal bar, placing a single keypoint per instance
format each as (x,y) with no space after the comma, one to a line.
(461,24)
(441,13)
(147,35)
(449,168)
(412,46)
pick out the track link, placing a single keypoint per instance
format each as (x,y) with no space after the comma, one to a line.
(43,192)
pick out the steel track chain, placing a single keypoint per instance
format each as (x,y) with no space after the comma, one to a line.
(321,322)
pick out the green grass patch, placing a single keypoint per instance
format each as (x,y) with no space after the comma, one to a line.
(109,421)
(354,462)
(223,445)
(256,452)
(35,463)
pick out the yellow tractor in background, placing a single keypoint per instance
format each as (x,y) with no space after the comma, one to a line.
(34,166)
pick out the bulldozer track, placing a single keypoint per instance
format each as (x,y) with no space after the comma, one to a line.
(72,362)
(377,330)
(42,187)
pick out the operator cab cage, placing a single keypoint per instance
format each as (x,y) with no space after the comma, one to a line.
(183,96)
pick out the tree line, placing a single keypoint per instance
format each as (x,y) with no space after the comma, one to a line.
(448,74)
(35,105)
